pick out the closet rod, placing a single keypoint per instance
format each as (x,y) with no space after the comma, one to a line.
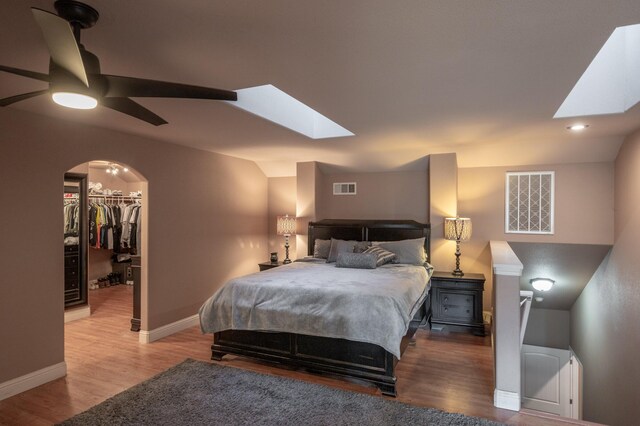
(115,196)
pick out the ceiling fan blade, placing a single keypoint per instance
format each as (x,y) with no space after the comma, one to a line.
(17,98)
(25,73)
(61,43)
(142,88)
(134,109)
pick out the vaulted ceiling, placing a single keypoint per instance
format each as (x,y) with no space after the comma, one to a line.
(482,78)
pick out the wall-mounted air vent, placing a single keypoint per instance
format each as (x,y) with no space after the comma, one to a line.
(344,188)
(529,202)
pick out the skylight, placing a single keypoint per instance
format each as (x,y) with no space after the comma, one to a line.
(611,83)
(274,105)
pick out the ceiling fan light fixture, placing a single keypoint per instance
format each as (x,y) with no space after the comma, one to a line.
(74,100)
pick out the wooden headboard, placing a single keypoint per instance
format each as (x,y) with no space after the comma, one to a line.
(368,230)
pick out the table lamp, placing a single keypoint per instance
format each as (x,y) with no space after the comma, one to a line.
(457,229)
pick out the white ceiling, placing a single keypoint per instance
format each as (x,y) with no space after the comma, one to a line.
(482,78)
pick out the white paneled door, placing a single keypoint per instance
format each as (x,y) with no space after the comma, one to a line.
(546,380)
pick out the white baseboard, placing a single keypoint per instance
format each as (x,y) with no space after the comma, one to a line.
(168,330)
(32,380)
(77,313)
(506,400)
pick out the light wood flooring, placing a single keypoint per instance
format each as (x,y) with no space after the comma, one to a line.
(451,372)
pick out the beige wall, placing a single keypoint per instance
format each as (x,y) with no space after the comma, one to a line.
(393,195)
(443,193)
(207,223)
(549,328)
(583,209)
(308,186)
(282,200)
(605,320)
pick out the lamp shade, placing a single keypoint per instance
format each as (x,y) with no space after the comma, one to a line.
(457,228)
(286,225)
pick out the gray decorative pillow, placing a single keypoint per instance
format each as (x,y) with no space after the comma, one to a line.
(383,255)
(357,260)
(321,249)
(361,246)
(340,246)
(406,251)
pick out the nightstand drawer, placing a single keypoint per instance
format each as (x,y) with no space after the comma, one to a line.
(457,301)
(463,300)
(456,306)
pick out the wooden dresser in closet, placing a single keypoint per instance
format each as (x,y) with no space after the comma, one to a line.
(71,275)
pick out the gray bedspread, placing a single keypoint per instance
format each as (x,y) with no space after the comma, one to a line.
(318,299)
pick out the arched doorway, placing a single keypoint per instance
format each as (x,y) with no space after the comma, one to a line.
(115,243)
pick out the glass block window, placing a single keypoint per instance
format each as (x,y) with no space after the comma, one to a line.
(529,202)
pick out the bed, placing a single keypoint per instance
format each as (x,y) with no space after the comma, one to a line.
(372,356)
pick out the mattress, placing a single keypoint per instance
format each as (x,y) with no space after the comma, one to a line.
(318,299)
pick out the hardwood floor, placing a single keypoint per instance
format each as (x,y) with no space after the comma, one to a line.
(451,372)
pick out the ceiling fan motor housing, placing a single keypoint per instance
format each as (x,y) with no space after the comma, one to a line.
(78,14)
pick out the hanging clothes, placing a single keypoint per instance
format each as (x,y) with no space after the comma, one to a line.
(115,226)
(131,219)
(93,226)
(71,217)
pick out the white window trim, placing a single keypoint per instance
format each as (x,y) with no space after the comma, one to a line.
(553,202)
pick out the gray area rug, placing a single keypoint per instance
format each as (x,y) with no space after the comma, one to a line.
(200,393)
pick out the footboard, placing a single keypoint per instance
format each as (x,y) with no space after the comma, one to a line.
(337,356)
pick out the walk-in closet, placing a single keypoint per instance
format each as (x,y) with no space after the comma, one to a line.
(103,217)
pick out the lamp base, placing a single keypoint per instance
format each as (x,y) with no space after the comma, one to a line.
(286,250)
(457,272)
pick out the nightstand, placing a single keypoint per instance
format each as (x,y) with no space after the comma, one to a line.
(268,265)
(457,301)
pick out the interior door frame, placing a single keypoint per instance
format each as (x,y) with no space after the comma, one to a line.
(81,179)
(576,386)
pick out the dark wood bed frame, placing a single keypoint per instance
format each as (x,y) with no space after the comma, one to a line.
(364,361)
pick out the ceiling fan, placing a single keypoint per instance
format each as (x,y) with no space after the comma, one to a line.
(75,79)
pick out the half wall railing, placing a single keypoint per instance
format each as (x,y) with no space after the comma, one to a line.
(508,326)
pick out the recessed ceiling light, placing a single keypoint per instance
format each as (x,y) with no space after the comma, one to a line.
(577,127)
(542,284)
